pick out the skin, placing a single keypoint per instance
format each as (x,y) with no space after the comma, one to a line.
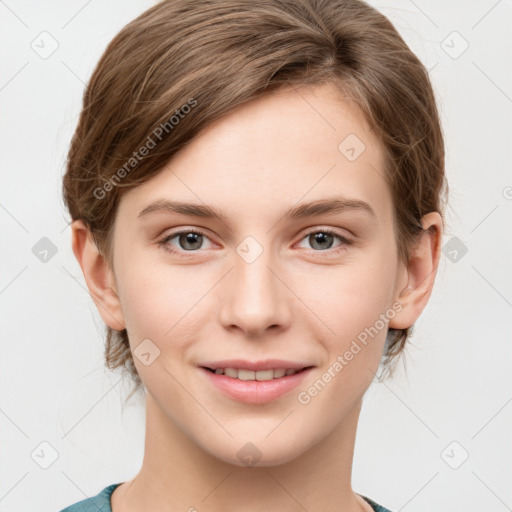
(298,301)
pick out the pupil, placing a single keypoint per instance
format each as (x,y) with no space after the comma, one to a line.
(321,238)
(191,238)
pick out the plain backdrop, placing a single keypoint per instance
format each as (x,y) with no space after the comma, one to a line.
(435,437)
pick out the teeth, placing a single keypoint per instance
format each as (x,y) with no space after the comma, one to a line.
(260,375)
(231,372)
(263,375)
(246,374)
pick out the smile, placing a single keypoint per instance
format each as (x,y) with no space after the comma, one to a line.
(261,375)
(254,386)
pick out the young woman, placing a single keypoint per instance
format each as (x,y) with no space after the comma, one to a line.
(256,192)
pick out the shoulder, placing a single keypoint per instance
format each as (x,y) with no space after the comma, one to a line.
(98,503)
(376,507)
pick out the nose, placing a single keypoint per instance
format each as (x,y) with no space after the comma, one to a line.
(255,297)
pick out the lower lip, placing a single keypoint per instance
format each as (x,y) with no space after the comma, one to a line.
(254,391)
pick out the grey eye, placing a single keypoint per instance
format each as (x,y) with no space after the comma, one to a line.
(321,240)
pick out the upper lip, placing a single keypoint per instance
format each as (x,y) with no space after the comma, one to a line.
(266,364)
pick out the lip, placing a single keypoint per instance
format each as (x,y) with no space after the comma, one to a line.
(266,364)
(253,391)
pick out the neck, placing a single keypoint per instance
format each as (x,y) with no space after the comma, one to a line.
(177,474)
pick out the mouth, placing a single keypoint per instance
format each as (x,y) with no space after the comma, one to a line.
(256,375)
(255,383)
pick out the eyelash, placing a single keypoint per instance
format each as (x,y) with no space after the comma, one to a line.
(166,247)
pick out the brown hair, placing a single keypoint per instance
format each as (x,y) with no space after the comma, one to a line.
(183,64)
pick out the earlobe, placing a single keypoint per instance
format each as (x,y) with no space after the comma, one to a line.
(421,271)
(98,276)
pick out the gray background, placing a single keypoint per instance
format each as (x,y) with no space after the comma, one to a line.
(453,399)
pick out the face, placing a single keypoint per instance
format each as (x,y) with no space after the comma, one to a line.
(267,280)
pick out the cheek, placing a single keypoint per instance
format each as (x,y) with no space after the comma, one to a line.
(154,298)
(356,309)
(351,297)
(160,305)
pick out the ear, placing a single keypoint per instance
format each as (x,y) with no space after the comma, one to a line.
(421,272)
(98,276)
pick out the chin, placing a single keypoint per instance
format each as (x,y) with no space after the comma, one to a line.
(257,454)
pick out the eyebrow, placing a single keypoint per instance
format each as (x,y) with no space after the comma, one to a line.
(300,211)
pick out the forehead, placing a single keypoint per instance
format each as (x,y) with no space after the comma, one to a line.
(293,145)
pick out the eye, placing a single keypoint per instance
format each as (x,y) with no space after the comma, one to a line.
(188,241)
(322,239)
(191,240)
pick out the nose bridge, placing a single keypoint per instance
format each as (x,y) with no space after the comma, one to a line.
(254,295)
